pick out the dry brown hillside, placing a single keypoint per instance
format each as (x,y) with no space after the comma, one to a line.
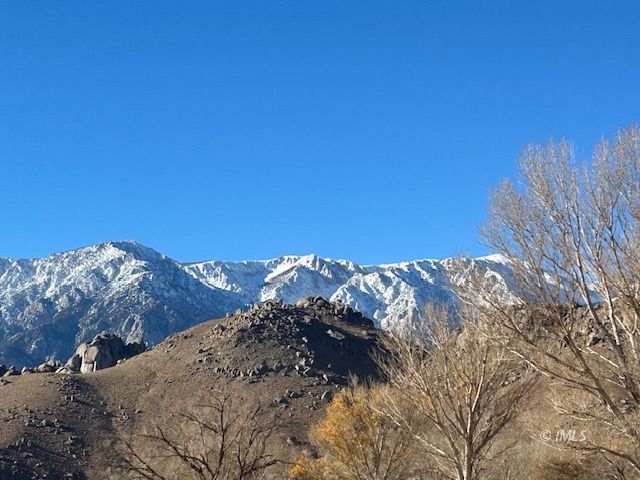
(291,357)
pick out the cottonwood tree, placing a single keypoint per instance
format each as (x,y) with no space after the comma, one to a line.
(224,440)
(454,393)
(571,234)
(358,442)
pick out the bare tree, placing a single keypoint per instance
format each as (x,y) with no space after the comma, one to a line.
(454,393)
(571,233)
(221,441)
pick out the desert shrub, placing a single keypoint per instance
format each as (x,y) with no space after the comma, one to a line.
(357,441)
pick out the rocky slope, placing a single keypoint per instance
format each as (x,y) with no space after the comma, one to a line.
(47,306)
(291,357)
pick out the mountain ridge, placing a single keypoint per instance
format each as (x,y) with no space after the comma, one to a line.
(48,305)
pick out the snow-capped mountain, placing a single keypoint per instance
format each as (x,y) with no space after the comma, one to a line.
(49,305)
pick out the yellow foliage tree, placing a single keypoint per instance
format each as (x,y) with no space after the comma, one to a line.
(358,442)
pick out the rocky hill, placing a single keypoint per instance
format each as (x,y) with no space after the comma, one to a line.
(47,306)
(291,357)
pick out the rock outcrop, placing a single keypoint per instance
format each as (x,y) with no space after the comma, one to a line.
(316,339)
(104,351)
(49,366)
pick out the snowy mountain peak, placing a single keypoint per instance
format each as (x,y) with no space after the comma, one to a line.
(49,305)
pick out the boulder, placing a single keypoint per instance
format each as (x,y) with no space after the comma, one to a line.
(66,370)
(48,367)
(134,348)
(10,372)
(75,362)
(100,356)
(104,351)
(307,302)
(335,335)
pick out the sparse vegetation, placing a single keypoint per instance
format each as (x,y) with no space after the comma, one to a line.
(456,396)
(226,440)
(358,442)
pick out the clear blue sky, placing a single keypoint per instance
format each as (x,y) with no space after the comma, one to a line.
(250,129)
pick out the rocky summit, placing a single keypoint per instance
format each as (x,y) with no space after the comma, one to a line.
(291,357)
